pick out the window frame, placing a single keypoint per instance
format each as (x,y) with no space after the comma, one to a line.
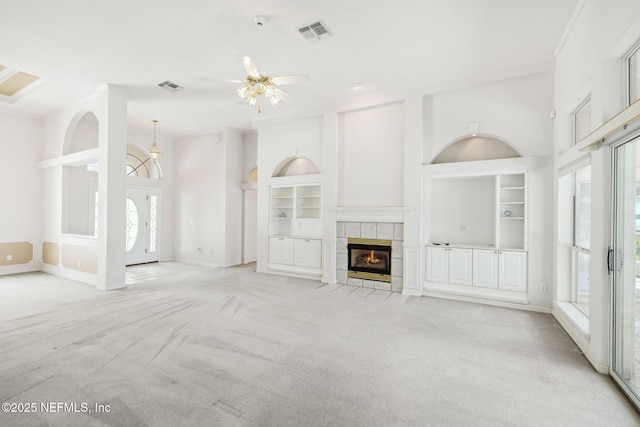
(578,247)
(576,114)
(628,84)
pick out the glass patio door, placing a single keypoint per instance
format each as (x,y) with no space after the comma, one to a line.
(624,266)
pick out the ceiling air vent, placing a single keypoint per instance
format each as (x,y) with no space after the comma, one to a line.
(314,32)
(171,87)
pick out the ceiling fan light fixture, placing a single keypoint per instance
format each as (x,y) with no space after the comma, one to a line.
(243,91)
(274,99)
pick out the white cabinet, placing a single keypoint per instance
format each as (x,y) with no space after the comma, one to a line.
(437,264)
(485,268)
(295,229)
(281,250)
(449,265)
(307,253)
(512,271)
(295,255)
(460,266)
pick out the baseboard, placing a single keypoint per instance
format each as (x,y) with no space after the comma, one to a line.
(19,268)
(484,301)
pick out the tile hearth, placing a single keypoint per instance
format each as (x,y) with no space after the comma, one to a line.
(393,231)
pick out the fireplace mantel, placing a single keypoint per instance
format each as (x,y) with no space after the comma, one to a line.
(370,214)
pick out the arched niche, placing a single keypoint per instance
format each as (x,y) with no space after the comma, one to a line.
(80,179)
(252,177)
(82,133)
(474,148)
(140,164)
(294,166)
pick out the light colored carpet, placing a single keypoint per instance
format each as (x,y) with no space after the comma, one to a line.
(195,345)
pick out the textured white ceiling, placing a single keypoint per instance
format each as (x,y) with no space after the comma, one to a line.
(78,45)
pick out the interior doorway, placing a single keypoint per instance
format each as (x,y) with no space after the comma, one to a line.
(142,225)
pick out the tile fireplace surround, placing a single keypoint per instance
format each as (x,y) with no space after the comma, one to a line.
(393,231)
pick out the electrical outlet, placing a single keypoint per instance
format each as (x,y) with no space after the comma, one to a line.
(9,257)
(543,287)
(463,228)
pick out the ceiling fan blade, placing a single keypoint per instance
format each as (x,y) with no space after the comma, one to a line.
(283,96)
(211,79)
(292,80)
(249,66)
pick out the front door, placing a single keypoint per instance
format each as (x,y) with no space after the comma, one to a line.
(624,265)
(142,220)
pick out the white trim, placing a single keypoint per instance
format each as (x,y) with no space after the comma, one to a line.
(29,267)
(370,214)
(596,139)
(475,293)
(74,159)
(481,167)
(574,165)
(569,28)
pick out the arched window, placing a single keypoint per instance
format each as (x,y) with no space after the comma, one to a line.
(140,164)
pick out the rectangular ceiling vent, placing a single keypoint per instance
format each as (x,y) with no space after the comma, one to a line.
(314,32)
(171,87)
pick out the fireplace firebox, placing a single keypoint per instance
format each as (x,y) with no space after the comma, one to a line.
(369,259)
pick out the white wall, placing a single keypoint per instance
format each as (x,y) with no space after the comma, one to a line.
(462,210)
(371,156)
(590,61)
(20,208)
(207,198)
(515,110)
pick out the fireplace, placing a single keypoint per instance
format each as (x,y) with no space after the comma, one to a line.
(369,259)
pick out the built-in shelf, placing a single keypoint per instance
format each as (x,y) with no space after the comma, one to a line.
(296,210)
(511,198)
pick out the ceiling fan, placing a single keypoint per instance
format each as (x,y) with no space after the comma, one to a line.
(257,84)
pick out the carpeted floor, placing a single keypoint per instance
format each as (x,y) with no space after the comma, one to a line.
(195,345)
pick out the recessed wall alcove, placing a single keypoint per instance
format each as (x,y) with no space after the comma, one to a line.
(294,166)
(474,148)
(80,178)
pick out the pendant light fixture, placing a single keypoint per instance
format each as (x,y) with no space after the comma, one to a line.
(154,151)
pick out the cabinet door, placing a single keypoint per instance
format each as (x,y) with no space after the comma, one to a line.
(513,271)
(274,249)
(437,265)
(280,250)
(300,251)
(314,253)
(485,268)
(460,266)
(286,251)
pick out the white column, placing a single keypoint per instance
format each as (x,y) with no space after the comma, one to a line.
(112,187)
(329,195)
(413,235)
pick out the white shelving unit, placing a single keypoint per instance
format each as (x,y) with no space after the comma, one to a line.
(511,211)
(478,234)
(295,229)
